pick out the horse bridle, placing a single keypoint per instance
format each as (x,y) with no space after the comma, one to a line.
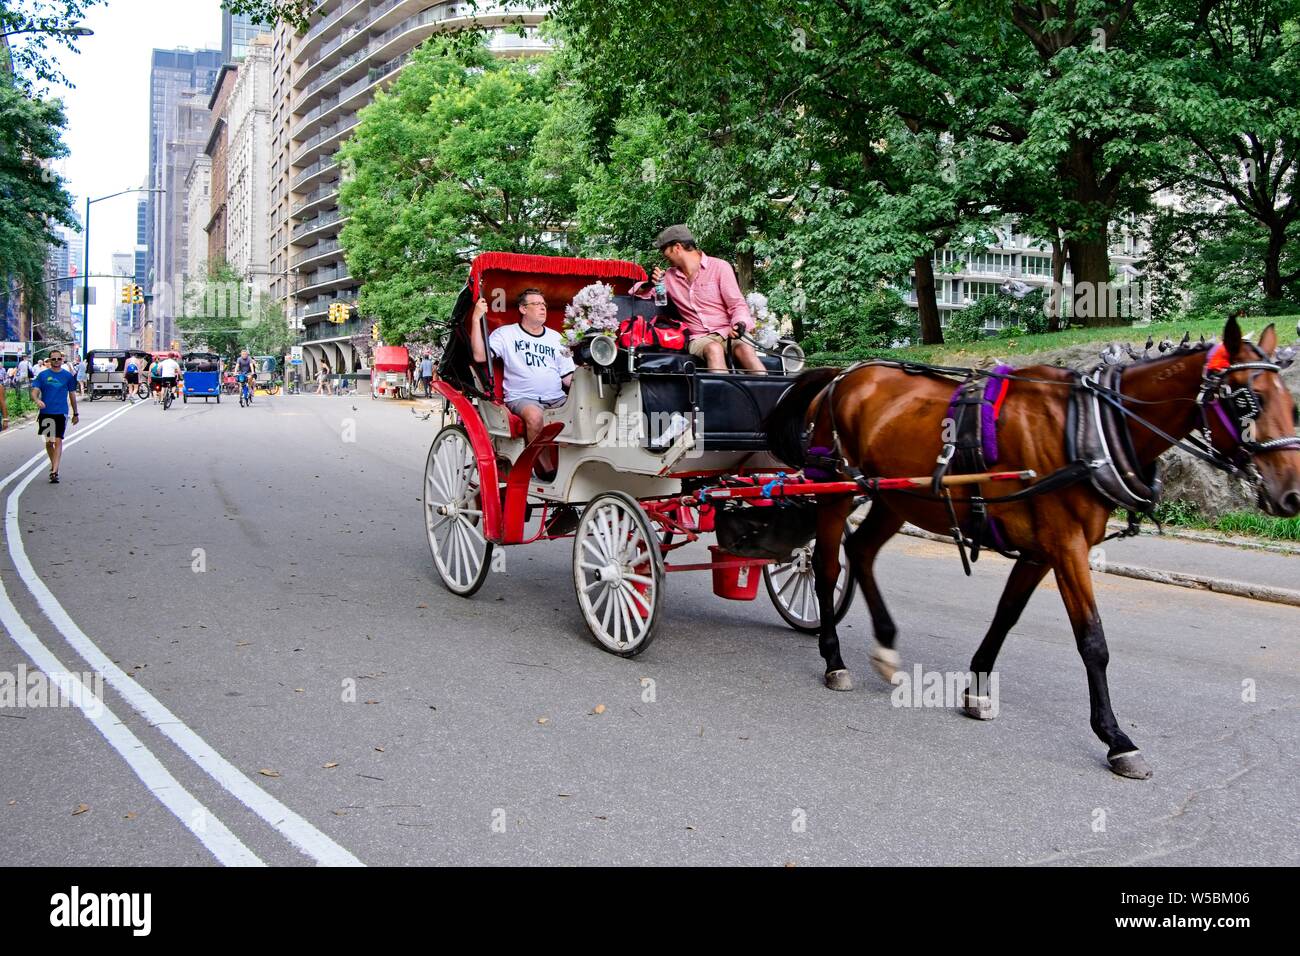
(1242,410)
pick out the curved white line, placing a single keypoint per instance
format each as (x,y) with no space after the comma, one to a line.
(291,826)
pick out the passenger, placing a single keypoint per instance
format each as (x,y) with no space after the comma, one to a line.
(707,296)
(538,368)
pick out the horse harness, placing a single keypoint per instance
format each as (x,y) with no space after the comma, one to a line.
(1098,440)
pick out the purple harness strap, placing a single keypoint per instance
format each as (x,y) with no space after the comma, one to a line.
(988,414)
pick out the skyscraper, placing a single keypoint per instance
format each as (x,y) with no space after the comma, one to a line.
(180,83)
(237,32)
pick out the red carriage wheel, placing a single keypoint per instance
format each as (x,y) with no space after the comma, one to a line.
(453,513)
(618,573)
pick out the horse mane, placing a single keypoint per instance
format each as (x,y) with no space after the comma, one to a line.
(785,423)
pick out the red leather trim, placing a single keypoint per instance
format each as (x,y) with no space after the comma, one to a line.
(484,455)
(521,475)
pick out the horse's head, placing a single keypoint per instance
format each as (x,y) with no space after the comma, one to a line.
(1252,417)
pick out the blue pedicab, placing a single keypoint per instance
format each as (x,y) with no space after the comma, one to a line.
(201,376)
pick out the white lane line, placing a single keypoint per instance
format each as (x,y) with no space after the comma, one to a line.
(193,815)
(293,827)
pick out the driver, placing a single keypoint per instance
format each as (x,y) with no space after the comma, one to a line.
(168,371)
(707,297)
(244,368)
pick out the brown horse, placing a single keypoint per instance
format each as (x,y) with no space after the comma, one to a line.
(886,420)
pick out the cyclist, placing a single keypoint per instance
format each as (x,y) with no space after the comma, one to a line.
(154,376)
(132,376)
(169,371)
(244,374)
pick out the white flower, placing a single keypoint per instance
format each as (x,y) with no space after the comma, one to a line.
(592,310)
(767,331)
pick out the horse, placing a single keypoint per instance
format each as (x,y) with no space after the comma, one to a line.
(874,419)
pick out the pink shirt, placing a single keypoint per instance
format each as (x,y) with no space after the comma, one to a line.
(712,303)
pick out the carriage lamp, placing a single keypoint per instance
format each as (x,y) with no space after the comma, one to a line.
(792,358)
(603,349)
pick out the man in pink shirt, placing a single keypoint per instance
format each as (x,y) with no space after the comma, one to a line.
(707,297)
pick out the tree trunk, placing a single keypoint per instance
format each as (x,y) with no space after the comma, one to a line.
(1090,263)
(1273,262)
(1054,320)
(927,308)
(745,271)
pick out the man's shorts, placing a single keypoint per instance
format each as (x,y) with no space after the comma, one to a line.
(132,378)
(160,382)
(518,405)
(50,426)
(698,343)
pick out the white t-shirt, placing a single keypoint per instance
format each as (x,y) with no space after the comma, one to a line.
(534,364)
(169,368)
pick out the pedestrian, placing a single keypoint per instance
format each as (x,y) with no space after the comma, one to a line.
(24,373)
(53,388)
(322,377)
(79,370)
(426,374)
(4,406)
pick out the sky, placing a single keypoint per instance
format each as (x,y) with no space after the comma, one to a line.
(108,118)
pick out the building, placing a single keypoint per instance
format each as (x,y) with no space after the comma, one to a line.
(215,150)
(320,82)
(123,335)
(248,165)
(1016,262)
(180,84)
(237,33)
(198,193)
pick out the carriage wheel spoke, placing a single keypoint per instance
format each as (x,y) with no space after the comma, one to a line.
(636,595)
(623,602)
(640,579)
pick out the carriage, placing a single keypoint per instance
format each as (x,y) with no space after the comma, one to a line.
(202,374)
(106,371)
(650,453)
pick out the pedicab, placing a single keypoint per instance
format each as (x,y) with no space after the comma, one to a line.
(106,372)
(388,372)
(201,376)
(650,453)
(264,374)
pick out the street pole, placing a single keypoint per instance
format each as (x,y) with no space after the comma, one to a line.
(85,285)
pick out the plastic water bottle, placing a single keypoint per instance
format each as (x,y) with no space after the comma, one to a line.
(661,293)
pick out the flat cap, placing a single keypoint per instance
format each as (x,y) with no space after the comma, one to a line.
(677,233)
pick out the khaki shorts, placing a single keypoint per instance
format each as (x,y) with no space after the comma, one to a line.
(698,343)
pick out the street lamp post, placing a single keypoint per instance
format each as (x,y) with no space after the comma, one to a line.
(85,286)
(65,31)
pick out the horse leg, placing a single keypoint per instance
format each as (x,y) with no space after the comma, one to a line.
(826,571)
(1074,578)
(863,545)
(1025,576)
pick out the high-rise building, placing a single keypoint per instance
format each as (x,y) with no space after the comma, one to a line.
(215,149)
(248,162)
(198,186)
(124,266)
(237,33)
(320,81)
(180,83)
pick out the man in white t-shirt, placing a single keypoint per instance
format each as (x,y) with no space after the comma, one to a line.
(538,369)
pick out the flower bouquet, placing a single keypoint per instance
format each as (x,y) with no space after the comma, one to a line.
(767,324)
(591,312)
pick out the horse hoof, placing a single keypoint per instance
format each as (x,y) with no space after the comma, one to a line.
(979,708)
(885,660)
(839,680)
(1130,765)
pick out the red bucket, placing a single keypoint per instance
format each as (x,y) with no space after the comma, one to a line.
(735,583)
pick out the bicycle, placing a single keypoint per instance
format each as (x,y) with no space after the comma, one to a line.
(245,393)
(167,397)
(345,386)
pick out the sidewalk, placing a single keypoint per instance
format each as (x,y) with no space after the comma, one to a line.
(1207,560)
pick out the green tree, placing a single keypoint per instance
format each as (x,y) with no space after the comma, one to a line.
(442,168)
(33,41)
(217,308)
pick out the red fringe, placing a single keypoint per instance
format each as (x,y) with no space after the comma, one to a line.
(553,266)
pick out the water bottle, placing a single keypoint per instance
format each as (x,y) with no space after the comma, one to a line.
(661,294)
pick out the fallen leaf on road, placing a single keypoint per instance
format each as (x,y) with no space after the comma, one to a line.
(243,643)
(298,690)
(372,702)
(543,720)
(602,818)
(131,816)
(269,773)
(598,709)
(330,766)
(13,803)
(422,605)
(380,749)
(81,808)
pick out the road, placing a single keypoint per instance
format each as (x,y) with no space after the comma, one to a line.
(302,690)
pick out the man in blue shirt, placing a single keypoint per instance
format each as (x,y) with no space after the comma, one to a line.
(52,389)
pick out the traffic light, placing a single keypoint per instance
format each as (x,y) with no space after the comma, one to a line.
(137,295)
(374,332)
(338,313)
(127,293)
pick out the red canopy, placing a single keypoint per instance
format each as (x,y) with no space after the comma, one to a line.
(501,276)
(390,358)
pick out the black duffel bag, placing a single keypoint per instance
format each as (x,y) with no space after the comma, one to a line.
(772,531)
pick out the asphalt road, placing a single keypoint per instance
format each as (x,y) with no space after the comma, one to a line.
(315,696)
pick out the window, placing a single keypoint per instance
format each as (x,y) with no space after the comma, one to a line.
(1036,265)
(978,290)
(991,262)
(947,260)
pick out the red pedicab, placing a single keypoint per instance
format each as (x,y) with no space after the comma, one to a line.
(654,451)
(389,372)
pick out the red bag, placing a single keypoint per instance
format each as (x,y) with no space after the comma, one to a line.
(639,331)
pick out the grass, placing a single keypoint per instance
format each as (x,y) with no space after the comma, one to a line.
(1183,514)
(19,402)
(972,352)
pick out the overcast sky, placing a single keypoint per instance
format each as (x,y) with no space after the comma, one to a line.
(108,113)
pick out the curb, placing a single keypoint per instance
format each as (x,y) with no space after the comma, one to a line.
(1196,582)
(1203,537)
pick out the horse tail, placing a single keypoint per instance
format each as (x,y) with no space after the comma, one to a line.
(784,425)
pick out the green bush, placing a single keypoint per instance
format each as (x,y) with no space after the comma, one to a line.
(879,320)
(19,402)
(968,324)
